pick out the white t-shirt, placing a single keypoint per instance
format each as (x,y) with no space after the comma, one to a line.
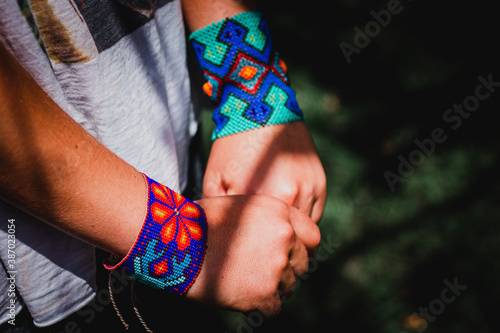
(118,68)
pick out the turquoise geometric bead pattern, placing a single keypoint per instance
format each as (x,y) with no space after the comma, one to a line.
(246,79)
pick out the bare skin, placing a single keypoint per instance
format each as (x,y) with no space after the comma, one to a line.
(256,244)
(279,161)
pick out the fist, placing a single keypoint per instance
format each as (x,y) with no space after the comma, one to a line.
(256,247)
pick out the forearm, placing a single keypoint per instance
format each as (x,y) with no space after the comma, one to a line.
(53,169)
(200,13)
(247,82)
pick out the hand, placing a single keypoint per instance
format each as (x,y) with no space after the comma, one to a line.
(279,161)
(254,251)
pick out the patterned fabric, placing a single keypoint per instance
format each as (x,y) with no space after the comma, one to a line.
(246,79)
(169,251)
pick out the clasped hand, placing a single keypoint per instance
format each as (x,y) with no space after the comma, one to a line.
(264,193)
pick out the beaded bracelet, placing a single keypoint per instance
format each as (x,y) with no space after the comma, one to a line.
(169,251)
(246,79)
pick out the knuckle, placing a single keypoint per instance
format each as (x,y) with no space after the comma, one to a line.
(319,188)
(285,233)
(279,207)
(322,180)
(279,210)
(308,188)
(282,262)
(288,192)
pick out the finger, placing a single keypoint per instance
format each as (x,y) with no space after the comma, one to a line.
(304,203)
(287,282)
(271,306)
(317,209)
(299,259)
(305,229)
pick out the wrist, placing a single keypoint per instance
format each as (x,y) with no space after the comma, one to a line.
(246,79)
(169,250)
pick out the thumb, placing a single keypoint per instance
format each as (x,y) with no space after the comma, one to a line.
(306,230)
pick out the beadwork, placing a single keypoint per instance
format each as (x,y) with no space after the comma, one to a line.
(246,79)
(169,251)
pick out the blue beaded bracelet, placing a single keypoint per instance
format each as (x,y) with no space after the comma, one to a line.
(246,79)
(169,251)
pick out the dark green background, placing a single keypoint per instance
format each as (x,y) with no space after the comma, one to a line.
(386,254)
(393,250)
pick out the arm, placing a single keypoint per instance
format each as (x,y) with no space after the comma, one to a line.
(200,13)
(278,160)
(53,169)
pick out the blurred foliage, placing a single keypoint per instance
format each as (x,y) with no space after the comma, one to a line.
(393,250)
(385,254)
